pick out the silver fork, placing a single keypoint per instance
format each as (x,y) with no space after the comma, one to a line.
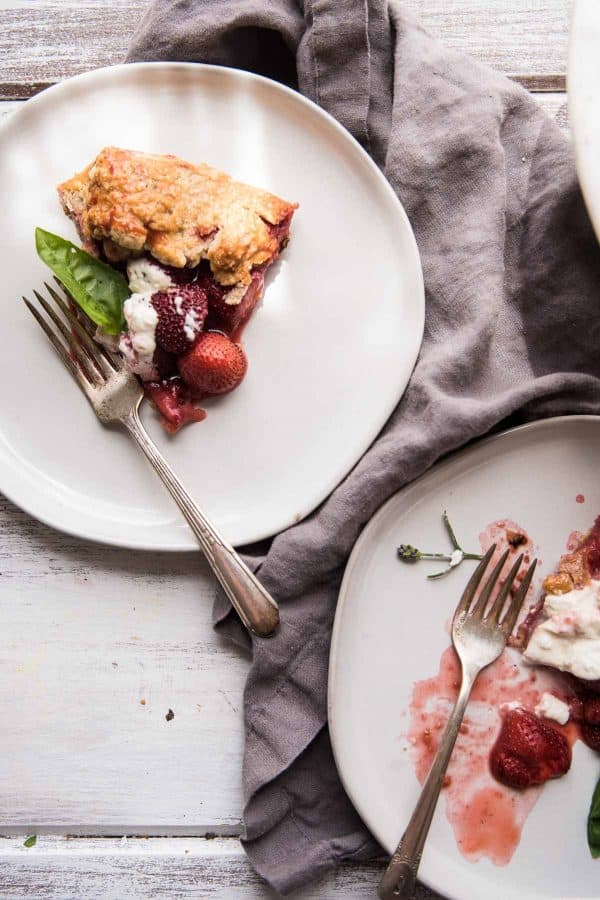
(115,396)
(480,633)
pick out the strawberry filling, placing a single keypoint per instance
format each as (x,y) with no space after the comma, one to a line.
(591,546)
(187,313)
(173,401)
(585,710)
(230,317)
(210,361)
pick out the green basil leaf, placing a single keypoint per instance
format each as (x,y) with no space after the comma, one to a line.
(30,841)
(593,824)
(98,289)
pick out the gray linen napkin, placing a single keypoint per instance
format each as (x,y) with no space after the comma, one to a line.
(512,272)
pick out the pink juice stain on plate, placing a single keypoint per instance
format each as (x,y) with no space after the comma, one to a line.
(507,535)
(486,817)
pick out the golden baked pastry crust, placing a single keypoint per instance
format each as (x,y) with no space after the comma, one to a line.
(179,212)
(573,571)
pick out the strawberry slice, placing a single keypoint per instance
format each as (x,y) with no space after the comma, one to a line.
(174,404)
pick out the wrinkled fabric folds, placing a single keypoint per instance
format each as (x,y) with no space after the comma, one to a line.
(512,275)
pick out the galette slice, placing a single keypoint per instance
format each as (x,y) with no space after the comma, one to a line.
(195,245)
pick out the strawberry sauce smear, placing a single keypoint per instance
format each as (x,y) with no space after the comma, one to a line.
(487,817)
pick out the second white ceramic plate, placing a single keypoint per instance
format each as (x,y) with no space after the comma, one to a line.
(330,350)
(390,632)
(584,108)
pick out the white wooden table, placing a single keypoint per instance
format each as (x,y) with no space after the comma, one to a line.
(98,644)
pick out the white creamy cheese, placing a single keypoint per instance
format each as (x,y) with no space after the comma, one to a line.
(551,707)
(139,344)
(191,325)
(145,277)
(569,637)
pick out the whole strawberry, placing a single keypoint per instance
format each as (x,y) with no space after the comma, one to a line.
(214,364)
(528,751)
(181,313)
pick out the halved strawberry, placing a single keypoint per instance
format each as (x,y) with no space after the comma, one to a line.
(528,751)
(214,365)
(181,312)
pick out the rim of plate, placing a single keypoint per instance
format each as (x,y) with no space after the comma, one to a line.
(433,880)
(109,72)
(580,21)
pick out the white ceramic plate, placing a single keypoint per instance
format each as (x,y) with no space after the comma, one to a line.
(331,348)
(584,107)
(390,632)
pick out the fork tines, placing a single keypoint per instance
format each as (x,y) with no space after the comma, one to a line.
(71,334)
(478,606)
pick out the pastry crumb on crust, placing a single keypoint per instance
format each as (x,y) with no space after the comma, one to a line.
(181,213)
(558,583)
(573,571)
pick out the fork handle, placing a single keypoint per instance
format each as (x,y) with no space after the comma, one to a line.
(252,602)
(401,874)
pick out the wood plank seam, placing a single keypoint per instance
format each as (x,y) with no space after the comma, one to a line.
(535,83)
(210,863)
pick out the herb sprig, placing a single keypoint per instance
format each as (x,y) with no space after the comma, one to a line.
(409,554)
